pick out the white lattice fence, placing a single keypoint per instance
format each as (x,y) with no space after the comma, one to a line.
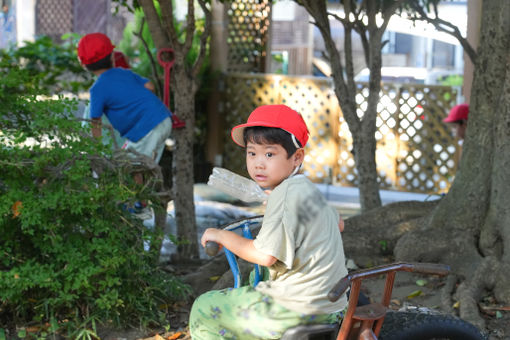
(415,151)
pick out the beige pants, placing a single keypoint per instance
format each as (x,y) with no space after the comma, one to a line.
(153,143)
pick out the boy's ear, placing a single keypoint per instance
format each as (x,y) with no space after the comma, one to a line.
(299,156)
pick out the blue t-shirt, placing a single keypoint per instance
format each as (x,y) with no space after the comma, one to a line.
(132,109)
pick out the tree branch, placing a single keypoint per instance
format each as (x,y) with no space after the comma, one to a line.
(167,16)
(388,13)
(190,26)
(318,11)
(154,23)
(203,39)
(349,67)
(154,69)
(446,27)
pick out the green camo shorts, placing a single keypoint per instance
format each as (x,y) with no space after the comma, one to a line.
(245,314)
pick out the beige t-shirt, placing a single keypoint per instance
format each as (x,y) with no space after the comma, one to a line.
(301,230)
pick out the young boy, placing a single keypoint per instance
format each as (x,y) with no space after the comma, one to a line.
(126,99)
(299,241)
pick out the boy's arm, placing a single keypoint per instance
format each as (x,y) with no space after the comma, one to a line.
(239,245)
(341,225)
(96,127)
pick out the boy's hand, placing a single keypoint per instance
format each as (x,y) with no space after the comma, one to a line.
(341,225)
(210,234)
(96,127)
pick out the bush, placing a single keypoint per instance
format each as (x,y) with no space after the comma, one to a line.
(70,256)
(54,68)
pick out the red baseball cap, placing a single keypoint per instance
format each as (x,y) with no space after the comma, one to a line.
(94,47)
(276,116)
(457,113)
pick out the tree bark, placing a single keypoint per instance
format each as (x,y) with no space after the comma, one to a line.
(475,215)
(182,165)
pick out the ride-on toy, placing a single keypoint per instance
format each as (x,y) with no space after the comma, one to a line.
(372,321)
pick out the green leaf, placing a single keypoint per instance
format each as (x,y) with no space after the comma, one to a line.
(2,334)
(499,315)
(421,282)
(22,333)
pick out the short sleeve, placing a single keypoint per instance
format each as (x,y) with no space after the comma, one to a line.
(276,236)
(96,103)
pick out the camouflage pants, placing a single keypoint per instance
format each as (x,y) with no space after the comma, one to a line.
(245,314)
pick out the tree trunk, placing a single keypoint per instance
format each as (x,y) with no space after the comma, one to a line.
(364,155)
(184,88)
(470,228)
(182,165)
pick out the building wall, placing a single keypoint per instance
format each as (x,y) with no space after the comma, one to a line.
(54,18)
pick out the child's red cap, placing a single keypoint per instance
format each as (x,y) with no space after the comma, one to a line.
(276,116)
(94,47)
(457,113)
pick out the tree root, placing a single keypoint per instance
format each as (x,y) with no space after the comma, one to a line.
(199,280)
(446,294)
(391,214)
(470,291)
(373,234)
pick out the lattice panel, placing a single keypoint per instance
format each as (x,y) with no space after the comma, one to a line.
(243,93)
(54,17)
(316,103)
(415,151)
(248,25)
(428,163)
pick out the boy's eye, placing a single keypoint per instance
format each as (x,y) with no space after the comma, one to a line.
(269,154)
(250,153)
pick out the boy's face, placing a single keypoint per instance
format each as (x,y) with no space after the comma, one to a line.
(268,164)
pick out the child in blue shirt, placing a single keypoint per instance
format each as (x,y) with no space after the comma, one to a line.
(126,99)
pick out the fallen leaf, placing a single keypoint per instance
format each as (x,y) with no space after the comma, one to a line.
(33,329)
(175,336)
(396,302)
(16,209)
(214,278)
(414,294)
(499,315)
(456,305)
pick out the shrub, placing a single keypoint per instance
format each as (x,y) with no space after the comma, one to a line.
(70,256)
(54,68)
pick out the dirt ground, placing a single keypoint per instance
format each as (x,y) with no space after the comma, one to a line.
(409,290)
